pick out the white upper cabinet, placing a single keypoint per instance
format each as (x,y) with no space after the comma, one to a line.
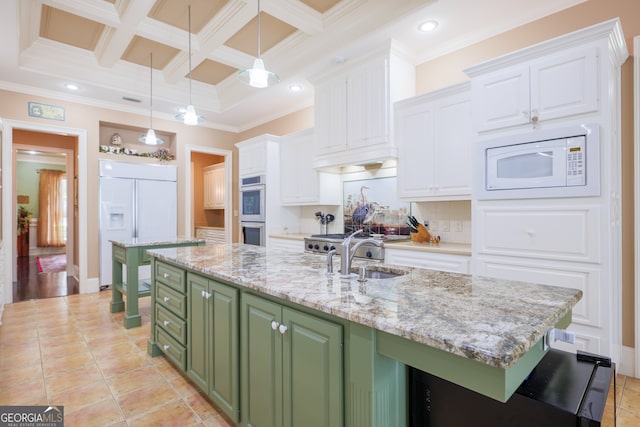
(253,158)
(300,183)
(434,139)
(353,108)
(214,186)
(554,86)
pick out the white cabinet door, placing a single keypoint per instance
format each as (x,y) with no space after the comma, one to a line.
(253,159)
(452,146)
(434,137)
(564,84)
(331,116)
(368,104)
(300,183)
(428,260)
(214,187)
(554,86)
(415,140)
(501,98)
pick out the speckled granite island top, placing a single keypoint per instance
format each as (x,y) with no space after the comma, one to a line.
(135,242)
(487,320)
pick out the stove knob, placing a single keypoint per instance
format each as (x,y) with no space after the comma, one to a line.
(326,247)
(369,254)
(332,248)
(316,246)
(310,245)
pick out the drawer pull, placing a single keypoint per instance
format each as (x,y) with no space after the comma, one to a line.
(282,329)
(166,322)
(166,275)
(274,325)
(166,299)
(166,347)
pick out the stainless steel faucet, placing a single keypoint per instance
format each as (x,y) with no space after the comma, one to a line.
(348,251)
(330,255)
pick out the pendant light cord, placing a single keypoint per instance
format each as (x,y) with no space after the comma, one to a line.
(190,55)
(258,29)
(151,90)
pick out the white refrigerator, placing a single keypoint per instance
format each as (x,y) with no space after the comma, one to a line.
(136,201)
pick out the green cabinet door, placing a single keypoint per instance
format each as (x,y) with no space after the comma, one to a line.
(262,363)
(292,367)
(197,337)
(312,371)
(224,378)
(212,362)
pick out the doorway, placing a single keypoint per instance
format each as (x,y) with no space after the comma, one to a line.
(45,195)
(9,233)
(216,155)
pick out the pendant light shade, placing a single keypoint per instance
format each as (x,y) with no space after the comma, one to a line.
(150,137)
(190,116)
(258,76)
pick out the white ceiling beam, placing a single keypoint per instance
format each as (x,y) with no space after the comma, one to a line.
(296,14)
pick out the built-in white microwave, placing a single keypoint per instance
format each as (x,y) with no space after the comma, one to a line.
(563,162)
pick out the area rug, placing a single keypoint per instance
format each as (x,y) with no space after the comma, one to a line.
(52,263)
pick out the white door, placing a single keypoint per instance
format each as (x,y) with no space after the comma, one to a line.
(116,219)
(156,210)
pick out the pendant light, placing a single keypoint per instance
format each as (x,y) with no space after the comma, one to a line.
(190,116)
(150,137)
(258,76)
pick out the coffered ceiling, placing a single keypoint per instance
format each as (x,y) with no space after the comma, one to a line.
(105,47)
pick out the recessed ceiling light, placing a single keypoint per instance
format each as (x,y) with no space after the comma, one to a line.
(295,87)
(71,86)
(427,26)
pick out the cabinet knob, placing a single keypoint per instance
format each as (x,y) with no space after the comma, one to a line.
(166,275)
(166,299)
(165,347)
(531,233)
(282,329)
(166,322)
(206,294)
(274,325)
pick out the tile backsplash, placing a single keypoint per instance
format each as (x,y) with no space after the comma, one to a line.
(449,220)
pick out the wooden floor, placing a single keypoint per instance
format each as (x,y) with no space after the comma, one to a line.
(32,284)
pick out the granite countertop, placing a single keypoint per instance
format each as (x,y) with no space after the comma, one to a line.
(488,320)
(135,242)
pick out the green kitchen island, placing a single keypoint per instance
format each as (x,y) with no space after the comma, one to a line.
(132,253)
(275,341)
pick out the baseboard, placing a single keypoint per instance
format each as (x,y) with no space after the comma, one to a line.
(627,362)
(92,285)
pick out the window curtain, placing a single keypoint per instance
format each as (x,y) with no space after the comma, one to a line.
(51,209)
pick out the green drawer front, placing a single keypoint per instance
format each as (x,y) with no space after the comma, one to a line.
(119,253)
(171,276)
(175,351)
(172,324)
(174,301)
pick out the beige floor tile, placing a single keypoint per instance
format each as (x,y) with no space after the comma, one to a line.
(136,379)
(630,399)
(63,350)
(115,366)
(174,413)
(31,393)
(202,406)
(66,380)
(21,374)
(57,365)
(627,418)
(78,397)
(145,399)
(101,413)
(182,385)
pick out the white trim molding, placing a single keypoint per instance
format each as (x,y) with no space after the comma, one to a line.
(636,132)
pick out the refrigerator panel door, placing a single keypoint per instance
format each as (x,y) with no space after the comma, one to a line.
(157,210)
(116,219)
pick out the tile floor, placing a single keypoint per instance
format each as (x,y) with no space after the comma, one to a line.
(72,351)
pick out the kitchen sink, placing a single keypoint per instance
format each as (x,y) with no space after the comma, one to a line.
(380,272)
